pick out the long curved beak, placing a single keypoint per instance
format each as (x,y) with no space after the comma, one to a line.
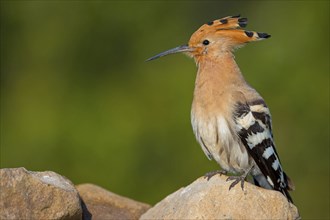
(179,49)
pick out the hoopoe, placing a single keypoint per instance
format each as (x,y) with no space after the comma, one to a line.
(230,120)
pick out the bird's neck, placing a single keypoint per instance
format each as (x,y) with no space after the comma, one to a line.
(220,71)
(218,80)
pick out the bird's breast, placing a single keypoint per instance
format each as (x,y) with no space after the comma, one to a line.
(215,134)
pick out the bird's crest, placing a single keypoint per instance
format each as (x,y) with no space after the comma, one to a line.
(226,23)
(229,28)
(216,37)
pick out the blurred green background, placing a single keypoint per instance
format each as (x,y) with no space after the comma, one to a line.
(77,97)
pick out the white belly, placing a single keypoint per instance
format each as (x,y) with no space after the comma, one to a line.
(219,142)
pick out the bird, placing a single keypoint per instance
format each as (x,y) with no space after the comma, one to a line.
(230,119)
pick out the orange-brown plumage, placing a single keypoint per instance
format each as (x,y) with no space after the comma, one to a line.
(224,36)
(230,119)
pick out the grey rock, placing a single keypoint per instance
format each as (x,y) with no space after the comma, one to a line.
(37,195)
(102,204)
(212,199)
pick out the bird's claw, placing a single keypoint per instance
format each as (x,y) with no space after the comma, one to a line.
(209,175)
(236,179)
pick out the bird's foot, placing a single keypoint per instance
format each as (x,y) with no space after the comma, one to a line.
(240,178)
(209,175)
(236,179)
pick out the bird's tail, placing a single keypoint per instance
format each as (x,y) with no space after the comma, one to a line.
(286,194)
(290,185)
(260,180)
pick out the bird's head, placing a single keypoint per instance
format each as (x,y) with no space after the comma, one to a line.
(216,37)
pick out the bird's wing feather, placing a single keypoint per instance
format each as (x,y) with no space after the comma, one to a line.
(254,129)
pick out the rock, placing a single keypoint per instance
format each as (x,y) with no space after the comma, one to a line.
(102,204)
(211,199)
(37,195)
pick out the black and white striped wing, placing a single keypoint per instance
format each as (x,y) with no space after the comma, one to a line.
(253,121)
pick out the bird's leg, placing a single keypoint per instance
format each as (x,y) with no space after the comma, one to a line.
(209,175)
(240,178)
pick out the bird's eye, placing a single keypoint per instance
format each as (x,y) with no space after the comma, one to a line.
(206,42)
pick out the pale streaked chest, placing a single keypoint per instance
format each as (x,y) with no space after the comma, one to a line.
(218,140)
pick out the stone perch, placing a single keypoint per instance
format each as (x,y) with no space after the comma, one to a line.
(211,199)
(47,195)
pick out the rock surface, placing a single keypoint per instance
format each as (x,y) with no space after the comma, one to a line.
(102,204)
(211,199)
(37,195)
(47,195)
